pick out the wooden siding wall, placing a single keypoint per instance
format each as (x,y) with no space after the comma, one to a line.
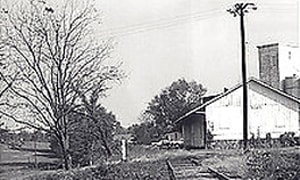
(269,112)
(194,131)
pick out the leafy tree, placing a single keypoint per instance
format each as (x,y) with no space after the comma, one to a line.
(145,132)
(92,139)
(91,132)
(58,60)
(119,129)
(3,133)
(173,102)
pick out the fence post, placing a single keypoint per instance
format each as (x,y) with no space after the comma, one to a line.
(124,150)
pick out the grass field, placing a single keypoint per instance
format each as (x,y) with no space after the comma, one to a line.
(143,162)
(15,162)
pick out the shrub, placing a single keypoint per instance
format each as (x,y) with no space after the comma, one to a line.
(121,171)
(98,172)
(263,164)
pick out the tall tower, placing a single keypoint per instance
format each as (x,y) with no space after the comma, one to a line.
(268,56)
(276,62)
(279,66)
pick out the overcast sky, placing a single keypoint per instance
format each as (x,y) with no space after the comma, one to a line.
(159,41)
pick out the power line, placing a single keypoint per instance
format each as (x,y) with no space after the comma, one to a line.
(161,23)
(186,15)
(161,27)
(279,8)
(275,11)
(182,19)
(154,26)
(130,30)
(279,4)
(123,31)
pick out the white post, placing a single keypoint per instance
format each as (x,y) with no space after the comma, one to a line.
(124,150)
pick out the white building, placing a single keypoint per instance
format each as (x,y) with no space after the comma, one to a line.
(269,111)
(289,61)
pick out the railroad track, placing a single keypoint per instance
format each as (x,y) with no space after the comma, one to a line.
(193,171)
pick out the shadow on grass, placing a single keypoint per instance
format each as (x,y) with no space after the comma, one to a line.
(40,152)
(48,155)
(32,150)
(31,165)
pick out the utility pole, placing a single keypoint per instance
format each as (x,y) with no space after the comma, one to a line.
(240,9)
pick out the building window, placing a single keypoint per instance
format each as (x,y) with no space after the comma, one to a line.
(273,61)
(280,118)
(290,55)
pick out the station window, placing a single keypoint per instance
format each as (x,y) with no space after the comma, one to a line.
(290,55)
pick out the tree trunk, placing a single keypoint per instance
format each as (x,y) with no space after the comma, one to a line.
(65,153)
(107,148)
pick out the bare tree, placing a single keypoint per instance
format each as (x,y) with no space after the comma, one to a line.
(6,77)
(58,62)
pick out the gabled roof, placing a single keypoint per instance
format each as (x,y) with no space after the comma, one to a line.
(252,79)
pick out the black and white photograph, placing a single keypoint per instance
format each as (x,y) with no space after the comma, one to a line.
(149,90)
